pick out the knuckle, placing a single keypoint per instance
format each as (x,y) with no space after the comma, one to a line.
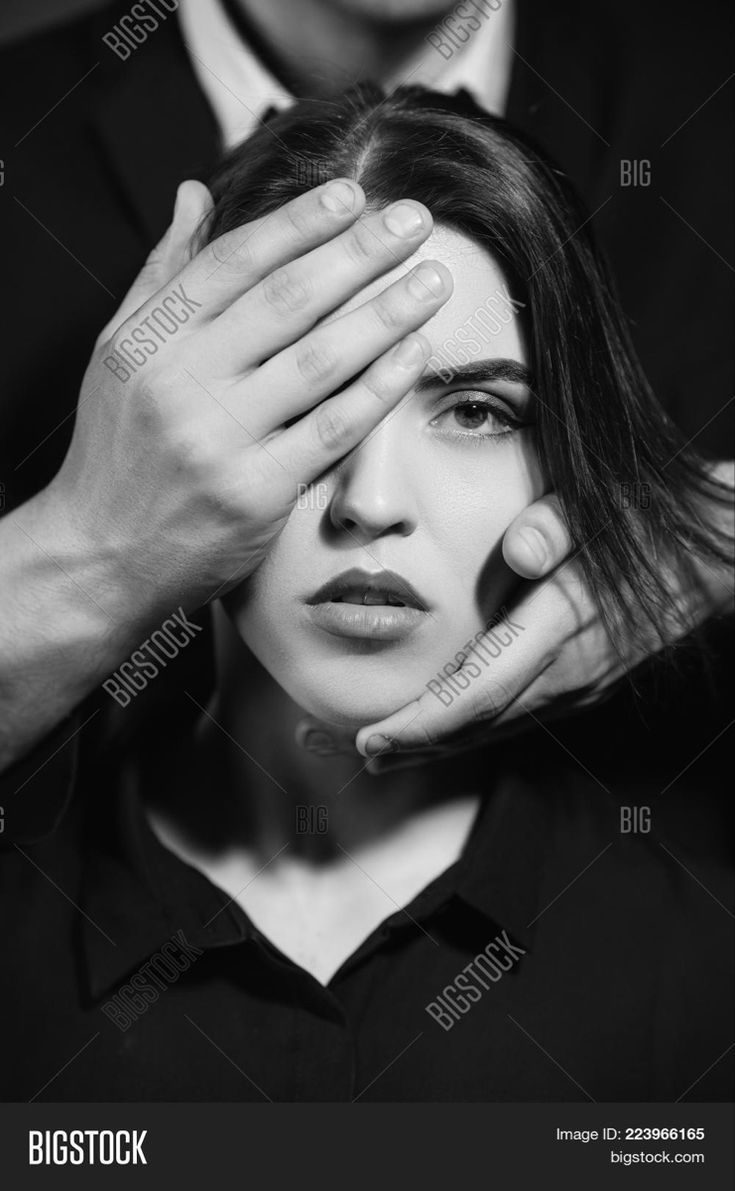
(186,447)
(297,219)
(163,387)
(149,418)
(162,423)
(152,404)
(429,735)
(378,384)
(358,245)
(315,363)
(228,494)
(232,253)
(332,427)
(284,293)
(481,709)
(487,702)
(388,315)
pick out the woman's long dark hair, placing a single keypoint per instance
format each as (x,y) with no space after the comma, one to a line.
(636,498)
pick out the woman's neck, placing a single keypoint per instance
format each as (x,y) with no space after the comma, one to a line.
(250,786)
(314,849)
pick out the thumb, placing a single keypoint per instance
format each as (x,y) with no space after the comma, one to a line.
(538,540)
(167,259)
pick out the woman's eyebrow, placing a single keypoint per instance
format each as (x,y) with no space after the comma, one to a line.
(477,372)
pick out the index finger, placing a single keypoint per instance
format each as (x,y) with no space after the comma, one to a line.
(502,663)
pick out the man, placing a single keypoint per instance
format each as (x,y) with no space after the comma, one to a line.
(124,105)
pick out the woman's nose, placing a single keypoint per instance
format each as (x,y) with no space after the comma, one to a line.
(374,494)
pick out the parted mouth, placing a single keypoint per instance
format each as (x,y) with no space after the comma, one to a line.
(384,588)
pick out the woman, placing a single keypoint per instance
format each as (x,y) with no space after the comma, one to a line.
(473,928)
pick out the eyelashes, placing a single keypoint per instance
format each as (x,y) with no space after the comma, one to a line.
(477,418)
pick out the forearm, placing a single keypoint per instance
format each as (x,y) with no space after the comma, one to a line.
(66,624)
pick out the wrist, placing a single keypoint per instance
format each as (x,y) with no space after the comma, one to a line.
(66,592)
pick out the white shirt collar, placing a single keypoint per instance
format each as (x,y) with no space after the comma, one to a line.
(240,88)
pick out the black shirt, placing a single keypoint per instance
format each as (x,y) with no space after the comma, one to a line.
(604,969)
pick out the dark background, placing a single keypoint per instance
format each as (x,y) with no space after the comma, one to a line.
(21,17)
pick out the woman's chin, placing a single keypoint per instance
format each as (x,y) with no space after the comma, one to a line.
(352,718)
(347,712)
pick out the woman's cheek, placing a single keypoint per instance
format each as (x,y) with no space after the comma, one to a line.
(474,510)
(493,491)
(265,599)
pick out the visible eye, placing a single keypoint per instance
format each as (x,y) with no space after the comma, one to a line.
(481,417)
(474,415)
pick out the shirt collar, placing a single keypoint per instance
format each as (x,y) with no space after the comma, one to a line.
(240,88)
(136,894)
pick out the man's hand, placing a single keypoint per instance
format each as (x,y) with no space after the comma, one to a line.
(186,462)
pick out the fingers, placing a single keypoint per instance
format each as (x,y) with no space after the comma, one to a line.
(193,203)
(549,648)
(230,265)
(291,299)
(538,540)
(390,762)
(424,722)
(303,375)
(499,669)
(335,427)
(170,255)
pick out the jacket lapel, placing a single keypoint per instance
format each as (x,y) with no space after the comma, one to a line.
(154,124)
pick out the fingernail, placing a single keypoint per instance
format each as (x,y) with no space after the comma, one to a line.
(379,744)
(339,198)
(319,742)
(411,351)
(315,737)
(403,219)
(536,544)
(187,206)
(425,283)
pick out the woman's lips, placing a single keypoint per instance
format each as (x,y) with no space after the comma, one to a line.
(357,586)
(377,622)
(378,605)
